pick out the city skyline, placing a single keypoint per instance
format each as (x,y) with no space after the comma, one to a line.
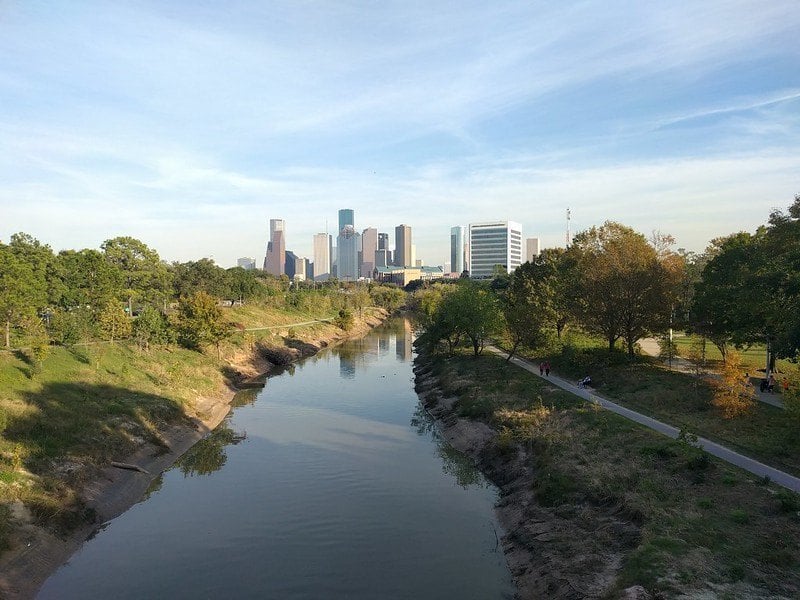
(187,126)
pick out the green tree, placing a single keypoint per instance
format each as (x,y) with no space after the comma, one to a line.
(151,327)
(528,306)
(470,310)
(200,322)
(242,285)
(200,275)
(23,290)
(87,279)
(627,291)
(113,323)
(144,276)
(725,299)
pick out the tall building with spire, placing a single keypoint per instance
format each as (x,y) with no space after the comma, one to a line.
(275,260)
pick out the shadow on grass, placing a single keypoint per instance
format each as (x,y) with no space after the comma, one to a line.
(74,428)
(91,422)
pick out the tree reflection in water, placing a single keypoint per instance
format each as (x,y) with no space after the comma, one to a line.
(454,463)
(208,455)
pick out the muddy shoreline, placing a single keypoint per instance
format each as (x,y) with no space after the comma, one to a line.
(38,553)
(552,552)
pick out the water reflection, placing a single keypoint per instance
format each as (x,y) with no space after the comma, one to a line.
(208,455)
(454,463)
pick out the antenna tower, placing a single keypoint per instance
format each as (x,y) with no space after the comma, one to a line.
(569,236)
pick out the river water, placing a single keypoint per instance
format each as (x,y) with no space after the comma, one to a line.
(329,483)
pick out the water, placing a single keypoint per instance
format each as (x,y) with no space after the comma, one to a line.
(329,483)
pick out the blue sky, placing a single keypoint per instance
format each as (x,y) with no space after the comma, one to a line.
(190,124)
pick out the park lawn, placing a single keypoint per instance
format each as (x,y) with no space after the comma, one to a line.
(702,522)
(644,384)
(754,357)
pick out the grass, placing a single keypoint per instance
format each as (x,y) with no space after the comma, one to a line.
(87,405)
(699,522)
(766,433)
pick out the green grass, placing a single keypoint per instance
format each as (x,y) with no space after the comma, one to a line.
(767,433)
(698,522)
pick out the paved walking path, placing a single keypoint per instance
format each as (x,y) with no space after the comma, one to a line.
(748,464)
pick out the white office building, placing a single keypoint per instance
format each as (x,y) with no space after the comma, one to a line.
(498,243)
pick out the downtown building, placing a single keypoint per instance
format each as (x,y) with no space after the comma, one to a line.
(347,243)
(275,260)
(458,249)
(402,246)
(493,244)
(322,256)
(369,249)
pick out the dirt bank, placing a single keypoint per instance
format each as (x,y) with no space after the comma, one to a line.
(36,553)
(567,551)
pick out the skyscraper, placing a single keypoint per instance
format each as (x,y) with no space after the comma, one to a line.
(531,249)
(275,260)
(369,247)
(347,247)
(246,263)
(322,257)
(458,248)
(498,243)
(402,246)
(383,257)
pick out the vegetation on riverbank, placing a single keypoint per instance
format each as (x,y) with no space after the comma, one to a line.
(66,415)
(692,524)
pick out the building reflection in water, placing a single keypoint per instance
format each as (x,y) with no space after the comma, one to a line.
(404,341)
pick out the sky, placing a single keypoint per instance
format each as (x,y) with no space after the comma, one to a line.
(189,124)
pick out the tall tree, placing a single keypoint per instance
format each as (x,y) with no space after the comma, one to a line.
(626,290)
(144,276)
(23,290)
(88,279)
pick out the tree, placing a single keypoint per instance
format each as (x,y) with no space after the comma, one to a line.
(733,393)
(725,300)
(150,327)
(470,310)
(23,290)
(200,275)
(242,285)
(529,305)
(87,279)
(626,291)
(144,276)
(200,322)
(113,323)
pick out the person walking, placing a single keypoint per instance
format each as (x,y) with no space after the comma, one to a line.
(771,383)
(541,369)
(547,368)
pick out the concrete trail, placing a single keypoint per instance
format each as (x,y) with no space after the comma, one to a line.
(748,464)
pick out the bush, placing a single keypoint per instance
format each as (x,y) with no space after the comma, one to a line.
(345,320)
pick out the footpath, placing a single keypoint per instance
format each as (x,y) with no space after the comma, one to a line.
(744,462)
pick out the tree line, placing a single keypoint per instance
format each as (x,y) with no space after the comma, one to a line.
(617,284)
(125,290)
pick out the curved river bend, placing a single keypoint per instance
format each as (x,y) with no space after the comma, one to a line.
(329,483)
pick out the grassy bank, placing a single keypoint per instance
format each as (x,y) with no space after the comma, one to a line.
(82,407)
(702,527)
(644,384)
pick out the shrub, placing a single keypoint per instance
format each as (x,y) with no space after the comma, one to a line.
(345,320)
